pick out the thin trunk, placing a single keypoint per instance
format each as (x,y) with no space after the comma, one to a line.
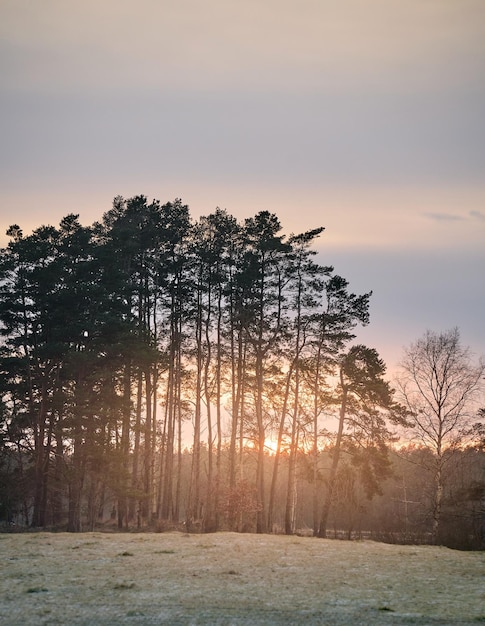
(178,484)
(178,410)
(260,515)
(135,479)
(322,531)
(153,498)
(78,460)
(57,498)
(276,463)
(209,508)
(76,483)
(218,412)
(316,413)
(162,456)
(438,497)
(39,512)
(194,486)
(124,446)
(292,495)
(168,469)
(148,460)
(237,386)
(291,486)
(208,512)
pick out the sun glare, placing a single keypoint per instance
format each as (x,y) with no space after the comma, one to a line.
(271,445)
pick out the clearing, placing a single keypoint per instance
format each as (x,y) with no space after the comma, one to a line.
(228,578)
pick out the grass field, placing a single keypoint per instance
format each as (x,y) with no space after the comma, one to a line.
(229,578)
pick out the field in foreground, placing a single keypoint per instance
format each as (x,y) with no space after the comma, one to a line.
(228,578)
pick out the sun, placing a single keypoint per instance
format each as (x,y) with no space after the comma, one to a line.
(271,446)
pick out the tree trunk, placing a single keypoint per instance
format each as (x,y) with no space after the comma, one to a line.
(276,461)
(322,531)
(41,463)
(438,499)
(148,453)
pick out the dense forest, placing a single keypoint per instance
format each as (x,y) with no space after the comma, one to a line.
(163,372)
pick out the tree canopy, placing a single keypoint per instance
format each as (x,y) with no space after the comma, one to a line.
(159,370)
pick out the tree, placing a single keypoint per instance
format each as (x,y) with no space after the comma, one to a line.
(439,384)
(263,319)
(211,242)
(304,286)
(113,336)
(332,330)
(366,404)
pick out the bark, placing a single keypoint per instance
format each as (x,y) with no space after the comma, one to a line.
(276,461)
(322,531)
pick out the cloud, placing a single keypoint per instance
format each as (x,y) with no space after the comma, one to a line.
(454,217)
(445,217)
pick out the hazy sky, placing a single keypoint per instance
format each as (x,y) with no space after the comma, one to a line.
(363,116)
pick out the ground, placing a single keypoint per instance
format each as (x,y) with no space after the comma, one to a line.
(229,578)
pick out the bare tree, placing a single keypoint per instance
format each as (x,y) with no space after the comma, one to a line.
(439,384)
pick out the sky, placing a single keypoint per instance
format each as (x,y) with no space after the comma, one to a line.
(366,117)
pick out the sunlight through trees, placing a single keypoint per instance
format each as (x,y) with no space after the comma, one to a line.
(162,372)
